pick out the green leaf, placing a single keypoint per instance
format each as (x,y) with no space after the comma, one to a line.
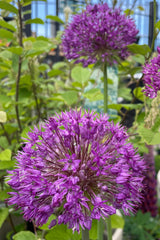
(7,25)
(138,93)
(93,231)
(69,97)
(59,232)
(5,155)
(128,12)
(148,136)
(156,125)
(55,18)
(35,21)
(140,8)
(3,117)
(80,74)
(125,93)
(139,49)
(16,50)
(117,221)
(4,214)
(59,65)
(126,106)
(3,74)
(7,164)
(54,72)
(157,25)
(6,34)
(139,58)
(8,7)
(93,94)
(3,142)
(24,235)
(43,67)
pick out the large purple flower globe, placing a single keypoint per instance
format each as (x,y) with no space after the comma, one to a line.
(78,166)
(151,76)
(98,33)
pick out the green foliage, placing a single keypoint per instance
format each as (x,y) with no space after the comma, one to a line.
(55,18)
(141,227)
(139,49)
(4,214)
(117,221)
(24,235)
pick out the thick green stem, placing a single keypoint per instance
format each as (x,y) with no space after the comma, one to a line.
(109,228)
(105,88)
(85,234)
(100,229)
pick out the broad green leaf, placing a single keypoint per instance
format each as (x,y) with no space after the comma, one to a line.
(125,93)
(150,137)
(43,67)
(34,52)
(6,34)
(93,94)
(7,164)
(140,49)
(80,74)
(7,25)
(8,7)
(5,155)
(3,215)
(134,70)
(156,125)
(42,45)
(16,50)
(35,21)
(59,232)
(55,18)
(117,221)
(54,72)
(70,97)
(138,93)
(24,235)
(59,65)
(139,58)
(3,117)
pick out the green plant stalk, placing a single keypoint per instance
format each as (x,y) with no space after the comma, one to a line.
(109,228)
(100,229)
(19,65)
(85,234)
(105,88)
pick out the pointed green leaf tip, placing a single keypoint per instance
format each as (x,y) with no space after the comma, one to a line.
(8,7)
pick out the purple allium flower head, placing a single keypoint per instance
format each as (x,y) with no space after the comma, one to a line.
(99,32)
(151,76)
(78,166)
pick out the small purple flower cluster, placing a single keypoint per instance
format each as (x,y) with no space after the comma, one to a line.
(98,33)
(151,76)
(78,166)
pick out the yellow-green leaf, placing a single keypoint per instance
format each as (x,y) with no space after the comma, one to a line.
(5,155)
(3,117)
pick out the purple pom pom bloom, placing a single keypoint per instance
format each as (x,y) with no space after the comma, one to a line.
(79,167)
(151,76)
(99,32)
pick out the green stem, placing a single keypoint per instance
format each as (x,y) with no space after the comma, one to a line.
(109,228)
(100,229)
(85,234)
(105,88)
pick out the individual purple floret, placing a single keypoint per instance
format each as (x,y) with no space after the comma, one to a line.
(151,76)
(98,33)
(78,166)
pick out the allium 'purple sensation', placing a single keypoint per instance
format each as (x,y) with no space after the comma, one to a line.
(151,76)
(78,166)
(99,32)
